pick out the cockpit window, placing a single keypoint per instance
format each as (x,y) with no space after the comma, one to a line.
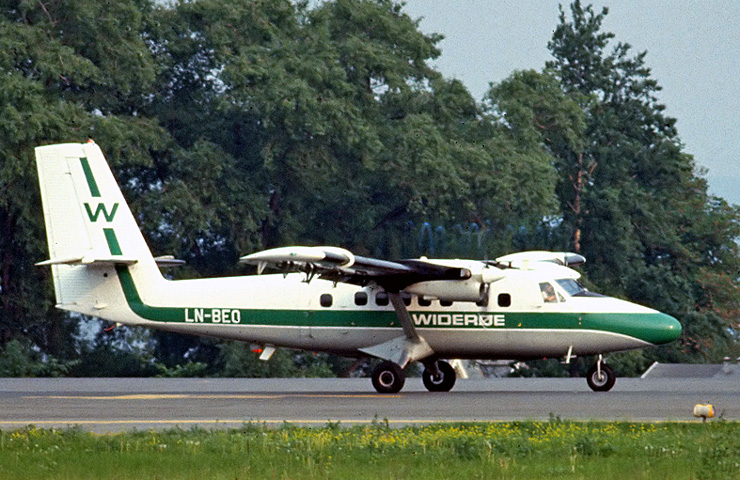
(571,286)
(548,293)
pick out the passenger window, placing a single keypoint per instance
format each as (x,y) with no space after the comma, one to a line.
(326,300)
(445,303)
(424,302)
(504,300)
(381,299)
(360,298)
(548,293)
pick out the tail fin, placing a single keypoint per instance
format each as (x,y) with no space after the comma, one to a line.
(88,222)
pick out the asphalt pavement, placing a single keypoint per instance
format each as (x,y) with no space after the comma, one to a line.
(117,404)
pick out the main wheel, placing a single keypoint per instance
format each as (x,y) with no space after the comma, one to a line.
(442,380)
(605,382)
(388,378)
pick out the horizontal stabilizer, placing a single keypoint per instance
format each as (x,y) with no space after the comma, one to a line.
(87,260)
(165,261)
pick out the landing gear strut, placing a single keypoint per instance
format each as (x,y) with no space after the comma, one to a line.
(439,376)
(388,377)
(601,377)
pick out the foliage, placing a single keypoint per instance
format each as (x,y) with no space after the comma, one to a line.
(19,360)
(538,368)
(643,206)
(239,125)
(187,370)
(239,361)
(553,450)
(117,351)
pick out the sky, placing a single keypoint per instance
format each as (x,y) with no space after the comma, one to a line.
(693,50)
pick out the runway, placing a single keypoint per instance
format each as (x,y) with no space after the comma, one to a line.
(115,404)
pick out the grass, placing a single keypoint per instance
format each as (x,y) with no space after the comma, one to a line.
(514,450)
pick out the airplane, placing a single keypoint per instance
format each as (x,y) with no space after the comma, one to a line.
(525,305)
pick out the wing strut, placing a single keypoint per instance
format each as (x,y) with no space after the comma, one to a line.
(405,349)
(403,316)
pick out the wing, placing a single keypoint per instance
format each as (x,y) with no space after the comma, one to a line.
(340,265)
(443,279)
(530,259)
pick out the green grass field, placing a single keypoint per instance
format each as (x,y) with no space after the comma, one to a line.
(515,450)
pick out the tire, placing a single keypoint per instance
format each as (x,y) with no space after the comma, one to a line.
(388,378)
(443,381)
(603,384)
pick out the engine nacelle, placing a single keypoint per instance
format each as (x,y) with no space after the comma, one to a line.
(470,290)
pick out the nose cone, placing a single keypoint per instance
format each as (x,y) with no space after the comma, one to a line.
(663,329)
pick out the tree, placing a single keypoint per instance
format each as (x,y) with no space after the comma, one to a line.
(644,207)
(239,125)
(535,111)
(293,96)
(59,83)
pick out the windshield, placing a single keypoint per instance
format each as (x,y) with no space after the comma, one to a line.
(571,286)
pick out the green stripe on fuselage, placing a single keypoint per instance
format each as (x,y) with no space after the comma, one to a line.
(636,325)
(298,318)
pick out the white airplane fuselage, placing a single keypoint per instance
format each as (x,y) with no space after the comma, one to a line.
(287,311)
(524,305)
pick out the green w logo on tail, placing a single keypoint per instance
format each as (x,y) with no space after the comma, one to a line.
(101,209)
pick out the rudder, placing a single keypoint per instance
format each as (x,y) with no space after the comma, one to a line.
(88,223)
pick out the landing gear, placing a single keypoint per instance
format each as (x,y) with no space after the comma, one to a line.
(388,378)
(439,377)
(601,377)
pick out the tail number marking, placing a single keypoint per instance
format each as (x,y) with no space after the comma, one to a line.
(94,216)
(212,315)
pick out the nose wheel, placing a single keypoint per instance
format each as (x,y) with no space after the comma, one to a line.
(601,377)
